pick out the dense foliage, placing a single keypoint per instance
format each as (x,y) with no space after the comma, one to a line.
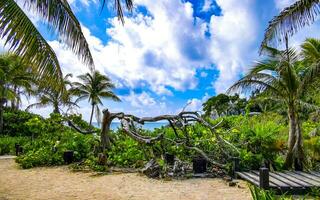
(7,144)
(223,104)
(261,139)
(15,122)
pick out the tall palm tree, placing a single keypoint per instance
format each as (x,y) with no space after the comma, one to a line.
(13,74)
(25,40)
(94,87)
(290,20)
(283,78)
(56,97)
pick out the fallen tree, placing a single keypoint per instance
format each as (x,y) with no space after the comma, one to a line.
(178,122)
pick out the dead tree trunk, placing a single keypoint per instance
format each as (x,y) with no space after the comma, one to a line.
(105,129)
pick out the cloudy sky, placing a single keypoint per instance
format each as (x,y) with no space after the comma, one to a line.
(170,52)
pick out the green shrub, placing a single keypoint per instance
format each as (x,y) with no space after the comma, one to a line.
(15,122)
(260,138)
(126,152)
(53,138)
(47,150)
(7,144)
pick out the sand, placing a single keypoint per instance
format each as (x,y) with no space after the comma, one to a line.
(61,183)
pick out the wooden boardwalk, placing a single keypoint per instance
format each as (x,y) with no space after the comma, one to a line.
(291,182)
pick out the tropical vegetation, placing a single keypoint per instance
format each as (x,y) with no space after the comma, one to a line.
(270,117)
(285,79)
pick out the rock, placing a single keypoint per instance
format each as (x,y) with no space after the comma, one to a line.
(232,183)
(227,178)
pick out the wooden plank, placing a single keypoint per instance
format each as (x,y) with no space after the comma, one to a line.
(309,176)
(248,178)
(315,173)
(256,179)
(275,181)
(302,178)
(293,179)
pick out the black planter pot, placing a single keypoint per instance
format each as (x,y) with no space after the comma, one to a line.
(19,149)
(68,157)
(199,165)
(169,158)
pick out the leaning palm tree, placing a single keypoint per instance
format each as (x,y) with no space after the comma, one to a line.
(22,37)
(290,20)
(284,79)
(55,97)
(94,87)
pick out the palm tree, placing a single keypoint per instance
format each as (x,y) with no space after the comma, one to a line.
(25,40)
(13,74)
(56,97)
(284,79)
(290,20)
(94,87)
(22,78)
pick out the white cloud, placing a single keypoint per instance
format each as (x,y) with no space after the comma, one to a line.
(233,34)
(195,104)
(143,104)
(140,100)
(153,49)
(206,5)
(157,51)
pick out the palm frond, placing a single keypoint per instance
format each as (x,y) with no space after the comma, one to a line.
(257,80)
(249,85)
(311,56)
(110,94)
(25,40)
(36,105)
(311,50)
(266,98)
(307,105)
(118,7)
(60,18)
(271,52)
(290,20)
(83,97)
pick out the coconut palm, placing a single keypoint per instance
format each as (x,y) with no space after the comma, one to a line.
(94,87)
(13,75)
(25,40)
(290,20)
(284,79)
(55,97)
(23,77)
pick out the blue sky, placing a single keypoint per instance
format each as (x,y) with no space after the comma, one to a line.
(170,52)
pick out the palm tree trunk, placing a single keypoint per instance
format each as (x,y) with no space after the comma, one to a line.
(1,118)
(2,103)
(14,100)
(292,136)
(92,110)
(56,108)
(298,148)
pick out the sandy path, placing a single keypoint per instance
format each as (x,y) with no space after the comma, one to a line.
(60,183)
